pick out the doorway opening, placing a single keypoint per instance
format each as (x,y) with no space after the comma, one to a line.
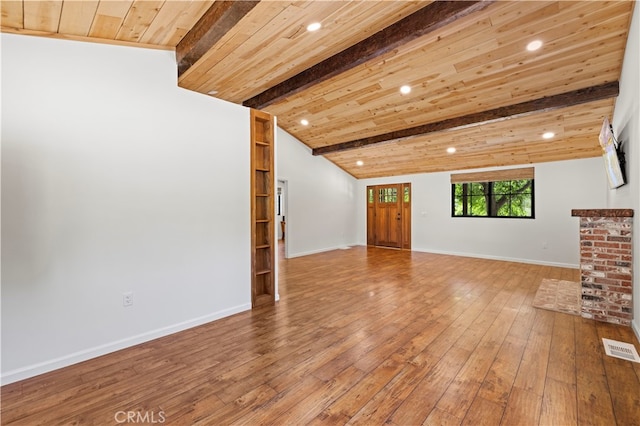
(281,204)
(389,215)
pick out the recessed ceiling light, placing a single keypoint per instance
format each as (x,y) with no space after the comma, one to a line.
(451,150)
(548,135)
(405,89)
(359,163)
(304,122)
(534,45)
(314,27)
(212,92)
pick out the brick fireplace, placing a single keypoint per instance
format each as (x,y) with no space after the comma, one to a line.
(606,264)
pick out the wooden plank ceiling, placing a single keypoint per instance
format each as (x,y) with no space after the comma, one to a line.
(475,86)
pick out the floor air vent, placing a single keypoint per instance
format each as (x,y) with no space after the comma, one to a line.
(621,350)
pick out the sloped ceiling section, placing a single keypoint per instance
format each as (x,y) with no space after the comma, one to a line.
(467,61)
(474,84)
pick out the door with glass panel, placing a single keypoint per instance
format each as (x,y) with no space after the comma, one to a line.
(389,215)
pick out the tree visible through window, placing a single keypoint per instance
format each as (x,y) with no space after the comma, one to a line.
(505,198)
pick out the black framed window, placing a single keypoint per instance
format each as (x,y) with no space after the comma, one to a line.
(503,198)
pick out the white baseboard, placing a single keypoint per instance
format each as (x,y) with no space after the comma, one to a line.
(502,258)
(635,325)
(322,250)
(84,355)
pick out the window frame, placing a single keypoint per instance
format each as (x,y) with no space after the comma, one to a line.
(490,214)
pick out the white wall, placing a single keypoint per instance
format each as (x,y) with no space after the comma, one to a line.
(321,212)
(114,180)
(559,187)
(626,124)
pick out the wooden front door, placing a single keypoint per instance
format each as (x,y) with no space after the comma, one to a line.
(389,215)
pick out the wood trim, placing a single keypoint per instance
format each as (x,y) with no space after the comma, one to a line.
(426,20)
(371,216)
(494,176)
(87,39)
(544,104)
(406,218)
(212,26)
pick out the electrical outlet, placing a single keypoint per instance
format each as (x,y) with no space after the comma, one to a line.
(127,299)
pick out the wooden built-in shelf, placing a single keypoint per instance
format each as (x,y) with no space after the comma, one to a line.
(263,299)
(262,209)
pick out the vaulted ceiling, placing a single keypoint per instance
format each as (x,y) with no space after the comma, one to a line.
(474,85)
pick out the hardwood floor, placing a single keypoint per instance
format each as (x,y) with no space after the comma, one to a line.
(361,336)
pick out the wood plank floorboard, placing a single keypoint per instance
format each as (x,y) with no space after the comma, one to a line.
(362,336)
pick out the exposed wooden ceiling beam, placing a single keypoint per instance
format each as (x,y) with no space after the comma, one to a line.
(430,18)
(547,103)
(212,26)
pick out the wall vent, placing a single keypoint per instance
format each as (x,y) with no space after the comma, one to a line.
(621,350)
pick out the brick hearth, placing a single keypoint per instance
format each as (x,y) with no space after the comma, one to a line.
(606,264)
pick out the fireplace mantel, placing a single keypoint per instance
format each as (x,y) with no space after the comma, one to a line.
(602,212)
